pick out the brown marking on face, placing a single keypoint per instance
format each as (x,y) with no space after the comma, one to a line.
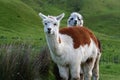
(79,35)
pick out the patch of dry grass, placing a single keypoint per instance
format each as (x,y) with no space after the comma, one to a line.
(17,62)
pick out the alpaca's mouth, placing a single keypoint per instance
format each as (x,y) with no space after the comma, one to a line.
(75,23)
(49,32)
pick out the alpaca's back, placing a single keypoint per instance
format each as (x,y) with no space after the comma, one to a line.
(80,35)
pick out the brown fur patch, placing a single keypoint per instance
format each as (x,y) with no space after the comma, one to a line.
(93,37)
(96,40)
(80,35)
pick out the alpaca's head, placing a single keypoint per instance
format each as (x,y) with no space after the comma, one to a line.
(51,23)
(75,19)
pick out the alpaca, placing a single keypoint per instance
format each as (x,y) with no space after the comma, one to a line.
(70,48)
(75,19)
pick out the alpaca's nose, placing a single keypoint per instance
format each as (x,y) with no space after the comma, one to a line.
(75,22)
(49,30)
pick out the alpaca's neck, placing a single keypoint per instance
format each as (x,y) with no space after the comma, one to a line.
(53,43)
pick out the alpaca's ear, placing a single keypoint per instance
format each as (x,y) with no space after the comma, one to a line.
(42,16)
(60,17)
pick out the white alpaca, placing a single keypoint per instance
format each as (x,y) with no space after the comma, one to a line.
(75,19)
(70,48)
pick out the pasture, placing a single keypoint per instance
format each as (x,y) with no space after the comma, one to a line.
(22,38)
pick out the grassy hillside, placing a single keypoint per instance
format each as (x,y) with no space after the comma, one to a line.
(20,23)
(102,16)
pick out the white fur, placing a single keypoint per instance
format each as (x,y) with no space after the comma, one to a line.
(75,17)
(64,54)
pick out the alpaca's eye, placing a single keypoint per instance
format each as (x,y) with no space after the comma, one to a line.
(71,19)
(45,23)
(78,18)
(55,24)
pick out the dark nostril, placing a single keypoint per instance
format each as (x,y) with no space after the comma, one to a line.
(75,21)
(49,29)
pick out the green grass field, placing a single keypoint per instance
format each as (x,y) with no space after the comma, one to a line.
(20,24)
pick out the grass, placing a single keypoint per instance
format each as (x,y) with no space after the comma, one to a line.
(23,62)
(19,21)
(109,71)
(16,62)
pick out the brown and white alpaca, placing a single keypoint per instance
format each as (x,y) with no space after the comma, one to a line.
(74,20)
(71,47)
